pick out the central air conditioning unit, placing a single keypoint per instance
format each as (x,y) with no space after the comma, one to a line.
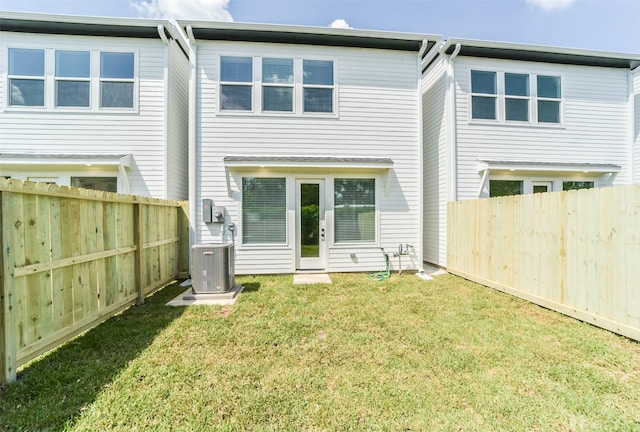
(212,268)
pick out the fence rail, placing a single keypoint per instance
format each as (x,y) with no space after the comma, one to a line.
(72,258)
(577,252)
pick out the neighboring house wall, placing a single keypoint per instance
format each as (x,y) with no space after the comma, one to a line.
(139,131)
(177,154)
(636,129)
(377,116)
(434,88)
(593,131)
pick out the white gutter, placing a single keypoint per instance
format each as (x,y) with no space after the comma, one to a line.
(631,116)
(437,49)
(452,138)
(423,48)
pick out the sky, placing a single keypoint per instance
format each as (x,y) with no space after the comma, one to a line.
(608,25)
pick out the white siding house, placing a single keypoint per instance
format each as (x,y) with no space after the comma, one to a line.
(526,119)
(635,100)
(309,138)
(94,102)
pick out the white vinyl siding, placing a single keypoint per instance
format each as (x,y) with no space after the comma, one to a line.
(177,144)
(139,132)
(434,132)
(595,121)
(376,116)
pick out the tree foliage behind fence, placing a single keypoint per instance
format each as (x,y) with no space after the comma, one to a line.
(577,252)
(72,258)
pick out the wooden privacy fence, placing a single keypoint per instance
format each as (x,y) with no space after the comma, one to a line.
(576,252)
(72,258)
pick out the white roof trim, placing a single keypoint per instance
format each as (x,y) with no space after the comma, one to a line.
(123,160)
(520,166)
(235,161)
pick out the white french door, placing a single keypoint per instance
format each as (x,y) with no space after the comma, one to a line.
(310,225)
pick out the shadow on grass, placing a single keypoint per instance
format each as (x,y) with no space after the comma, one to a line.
(52,391)
(249,287)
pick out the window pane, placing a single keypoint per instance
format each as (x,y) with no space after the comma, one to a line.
(319,72)
(483,107)
(517,109)
(236,69)
(72,93)
(237,98)
(264,211)
(116,65)
(277,71)
(483,82)
(549,111)
(516,84)
(26,92)
(540,188)
(72,64)
(277,99)
(26,62)
(505,187)
(318,100)
(107,184)
(571,185)
(116,94)
(355,210)
(310,220)
(548,86)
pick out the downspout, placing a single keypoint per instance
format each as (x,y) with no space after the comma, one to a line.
(452,136)
(165,138)
(193,99)
(632,132)
(423,48)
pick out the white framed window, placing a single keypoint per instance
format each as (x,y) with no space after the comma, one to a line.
(505,187)
(117,79)
(26,77)
(318,86)
(264,211)
(549,99)
(73,79)
(106,184)
(484,95)
(236,83)
(277,85)
(516,97)
(354,213)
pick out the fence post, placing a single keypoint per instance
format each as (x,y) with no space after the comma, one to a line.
(138,238)
(8,347)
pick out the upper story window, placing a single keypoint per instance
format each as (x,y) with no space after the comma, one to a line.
(549,99)
(484,95)
(282,85)
(116,79)
(516,91)
(26,77)
(509,97)
(277,84)
(317,83)
(69,79)
(73,79)
(236,83)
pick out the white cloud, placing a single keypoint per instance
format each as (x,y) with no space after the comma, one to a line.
(549,5)
(340,23)
(205,10)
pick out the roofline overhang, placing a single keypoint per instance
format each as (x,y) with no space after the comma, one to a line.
(541,53)
(23,22)
(238,161)
(307,35)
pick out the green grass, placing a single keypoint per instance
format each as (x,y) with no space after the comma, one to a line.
(402,354)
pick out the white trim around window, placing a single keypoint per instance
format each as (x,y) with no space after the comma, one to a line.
(280,85)
(54,77)
(520,97)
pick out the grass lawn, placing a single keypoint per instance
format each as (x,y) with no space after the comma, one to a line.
(402,354)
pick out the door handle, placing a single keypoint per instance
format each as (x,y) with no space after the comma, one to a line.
(322,234)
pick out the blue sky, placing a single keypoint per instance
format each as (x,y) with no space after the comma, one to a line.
(610,25)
